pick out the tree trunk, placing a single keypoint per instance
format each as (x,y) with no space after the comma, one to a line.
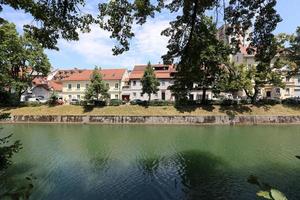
(254,97)
(149,97)
(203,96)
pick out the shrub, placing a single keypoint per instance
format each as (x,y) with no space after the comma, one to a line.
(291,101)
(31,104)
(245,101)
(269,102)
(229,102)
(115,102)
(98,103)
(53,99)
(160,103)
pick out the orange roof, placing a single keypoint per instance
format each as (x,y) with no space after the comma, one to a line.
(56,86)
(39,80)
(107,74)
(160,70)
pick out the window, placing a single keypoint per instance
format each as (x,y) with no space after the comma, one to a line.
(116,85)
(134,94)
(78,86)
(142,94)
(78,97)
(287,90)
(116,96)
(278,91)
(163,83)
(287,79)
(70,96)
(268,94)
(134,83)
(69,86)
(86,86)
(298,79)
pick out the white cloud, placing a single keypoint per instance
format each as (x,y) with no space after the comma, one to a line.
(95,47)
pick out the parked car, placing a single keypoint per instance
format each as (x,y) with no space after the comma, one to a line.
(74,101)
(33,99)
(42,99)
(136,102)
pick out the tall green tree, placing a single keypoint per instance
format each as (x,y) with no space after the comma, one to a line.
(22,59)
(149,82)
(203,65)
(290,51)
(259,19)
(97,90)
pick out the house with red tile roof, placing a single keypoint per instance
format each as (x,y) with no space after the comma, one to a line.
(133,88)
(75,83)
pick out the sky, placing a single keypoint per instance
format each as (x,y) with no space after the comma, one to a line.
(94,48)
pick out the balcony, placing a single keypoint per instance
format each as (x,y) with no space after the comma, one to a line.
(126,87)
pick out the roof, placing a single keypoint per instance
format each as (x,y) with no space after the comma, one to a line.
(85,75)
(161,71)
(56,86)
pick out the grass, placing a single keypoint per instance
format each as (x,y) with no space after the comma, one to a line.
(130,110)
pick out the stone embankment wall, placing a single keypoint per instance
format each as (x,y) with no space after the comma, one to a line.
(217,119)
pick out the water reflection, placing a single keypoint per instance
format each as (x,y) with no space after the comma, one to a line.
(201,173)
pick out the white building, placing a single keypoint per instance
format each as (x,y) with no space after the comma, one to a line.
(75,85)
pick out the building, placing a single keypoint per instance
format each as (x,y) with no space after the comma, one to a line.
(75,84)
(133,86)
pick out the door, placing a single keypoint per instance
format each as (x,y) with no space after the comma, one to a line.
(163,95)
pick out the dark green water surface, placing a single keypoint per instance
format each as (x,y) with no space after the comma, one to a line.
(156,162)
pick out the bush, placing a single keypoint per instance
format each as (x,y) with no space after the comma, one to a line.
(115,102)
(229,102)
(98,103)
(245,101)
(53,99)
(31,104)
(269,102)
(160,103)
(291,101)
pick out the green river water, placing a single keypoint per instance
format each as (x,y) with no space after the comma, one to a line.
(155,162)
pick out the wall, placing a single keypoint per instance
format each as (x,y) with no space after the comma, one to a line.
(214,120)
(74,91)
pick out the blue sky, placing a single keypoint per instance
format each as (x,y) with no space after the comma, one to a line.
(94,48)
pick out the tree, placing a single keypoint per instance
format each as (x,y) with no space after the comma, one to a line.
(22,59)
(54,19)
(260,19)
(97,89)
(203,65)
(290,51)
(149,82)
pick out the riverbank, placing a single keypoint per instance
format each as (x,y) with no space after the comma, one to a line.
(128,114)
(134,110)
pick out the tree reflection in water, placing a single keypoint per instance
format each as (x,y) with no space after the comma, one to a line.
(202,175)
(11,187)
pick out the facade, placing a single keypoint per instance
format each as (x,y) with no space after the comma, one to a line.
(75,85)
(133,86)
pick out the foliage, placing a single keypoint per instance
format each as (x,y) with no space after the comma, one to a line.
(97,90)
(21,59)
(291,101)
(202,61)
(55,19)
(259,19)
(265,101)
(53,98)
(149,82)
(115,102)
(7,149)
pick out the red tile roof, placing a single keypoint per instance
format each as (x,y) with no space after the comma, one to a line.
(161,71)
(56,86)
(107,74)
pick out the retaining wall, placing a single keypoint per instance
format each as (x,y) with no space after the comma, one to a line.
(216,119)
